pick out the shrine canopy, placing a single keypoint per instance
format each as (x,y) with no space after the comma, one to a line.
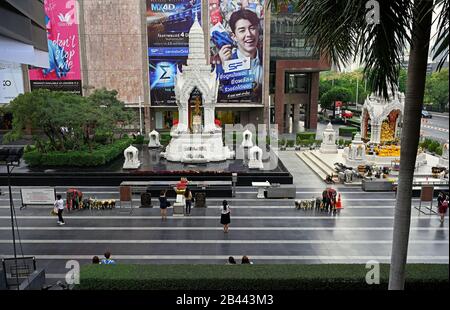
(381,119)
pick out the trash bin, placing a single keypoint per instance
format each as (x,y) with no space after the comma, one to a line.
(146,200)
(200,200)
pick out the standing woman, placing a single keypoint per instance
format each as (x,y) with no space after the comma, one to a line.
(442,205)
(163,204)
(225,216)
(188,198)
(59,204)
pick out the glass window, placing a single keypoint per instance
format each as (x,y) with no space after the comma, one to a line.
(296,83)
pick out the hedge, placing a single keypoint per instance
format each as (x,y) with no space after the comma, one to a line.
(97,157)
(254,277)
(347,131)
(307,135)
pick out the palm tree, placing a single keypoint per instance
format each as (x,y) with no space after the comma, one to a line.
(343,29)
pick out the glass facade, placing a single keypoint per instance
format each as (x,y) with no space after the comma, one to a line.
(286,38)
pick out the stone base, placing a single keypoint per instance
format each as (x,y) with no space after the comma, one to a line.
(328,149)
(131,165)
(197,148)
(247,144)
(255,165)
(154,145)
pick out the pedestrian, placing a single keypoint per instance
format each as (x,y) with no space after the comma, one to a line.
(59,204)
(225,216)
(188,198)
(442,205)
(163,204)
(95,260)
(107,260)
(245,260)
(231,261)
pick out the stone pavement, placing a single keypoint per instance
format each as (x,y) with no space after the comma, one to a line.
(267,230)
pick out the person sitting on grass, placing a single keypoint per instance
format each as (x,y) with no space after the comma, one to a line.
(107,260)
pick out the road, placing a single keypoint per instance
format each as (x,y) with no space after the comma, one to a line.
(267,230)
(437,127)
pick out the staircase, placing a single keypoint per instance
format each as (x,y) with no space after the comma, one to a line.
(316,164)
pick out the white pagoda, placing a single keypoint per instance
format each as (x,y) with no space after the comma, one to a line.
(196,138)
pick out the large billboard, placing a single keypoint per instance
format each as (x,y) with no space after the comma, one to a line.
(11,81)
(168,25)
(236,32)
(64,73)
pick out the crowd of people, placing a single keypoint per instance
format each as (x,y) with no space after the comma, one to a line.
(244,260)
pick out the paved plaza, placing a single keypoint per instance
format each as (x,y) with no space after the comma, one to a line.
(267,230)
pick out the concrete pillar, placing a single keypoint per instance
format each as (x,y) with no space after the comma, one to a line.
(279,98)
(287,117)
(312,110)
(25,79)
(296,118)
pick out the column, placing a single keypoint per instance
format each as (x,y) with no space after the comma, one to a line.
(287,115)
(375,133)
(296,118)
(312,109)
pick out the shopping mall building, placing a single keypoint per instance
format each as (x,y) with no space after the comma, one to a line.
(136,46)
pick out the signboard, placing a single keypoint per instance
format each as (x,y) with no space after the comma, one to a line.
(11,81)
(236,32)
(38,196)
(168,25)
(64,73)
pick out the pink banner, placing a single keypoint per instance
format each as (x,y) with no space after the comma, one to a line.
(63,45)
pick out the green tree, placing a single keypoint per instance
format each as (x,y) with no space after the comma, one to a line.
(336,93)
(379,37)
(436,89)
(64,122)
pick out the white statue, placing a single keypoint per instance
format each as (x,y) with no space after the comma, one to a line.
(154,139)
(131,155)
(255,158)
(328,145)
(247,139)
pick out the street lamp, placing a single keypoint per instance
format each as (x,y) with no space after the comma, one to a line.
(10,157)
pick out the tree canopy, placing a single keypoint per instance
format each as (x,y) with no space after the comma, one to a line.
(65,122)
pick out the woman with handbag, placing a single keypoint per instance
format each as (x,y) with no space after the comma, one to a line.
(59,208)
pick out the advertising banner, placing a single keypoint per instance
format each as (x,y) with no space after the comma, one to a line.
(11,81)
(168,25)
(236,32)
(63,49)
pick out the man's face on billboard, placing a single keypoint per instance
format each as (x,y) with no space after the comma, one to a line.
(246,36)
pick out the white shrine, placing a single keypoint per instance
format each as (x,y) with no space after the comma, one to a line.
(154,139)
(255,158)
(328,145)
(196,138)
(355,154)
(383,116)
(247,139)
(131,155)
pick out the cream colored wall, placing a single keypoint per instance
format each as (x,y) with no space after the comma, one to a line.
(114,47)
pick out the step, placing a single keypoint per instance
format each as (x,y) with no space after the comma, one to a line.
(312,165)
(324,163)
(318,163)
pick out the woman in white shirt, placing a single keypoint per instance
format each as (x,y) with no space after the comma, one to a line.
(59,204)
(225,216)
